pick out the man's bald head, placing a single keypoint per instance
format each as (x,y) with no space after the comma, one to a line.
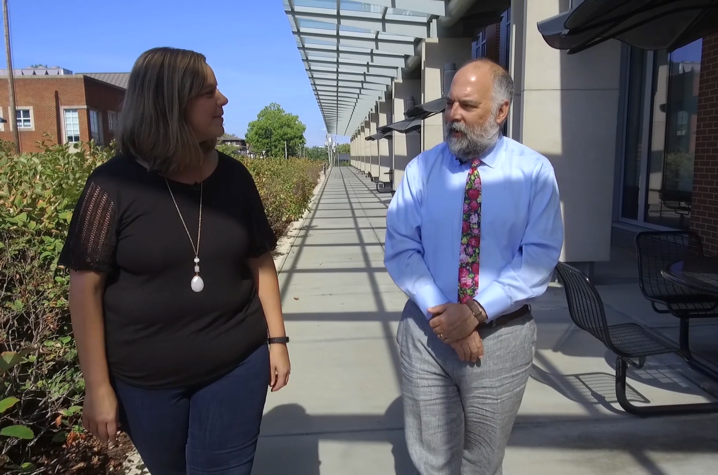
(477,106)
(485,73)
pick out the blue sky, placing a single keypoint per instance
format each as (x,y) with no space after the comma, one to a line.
(248,43)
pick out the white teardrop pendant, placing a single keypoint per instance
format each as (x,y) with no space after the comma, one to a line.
(197,284)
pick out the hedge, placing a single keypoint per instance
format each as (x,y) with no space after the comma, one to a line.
(41,387)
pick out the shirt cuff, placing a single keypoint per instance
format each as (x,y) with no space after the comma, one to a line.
(429,296)
(494,300)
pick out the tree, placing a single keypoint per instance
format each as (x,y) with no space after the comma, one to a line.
(317,153)
(272,128)
(344,148)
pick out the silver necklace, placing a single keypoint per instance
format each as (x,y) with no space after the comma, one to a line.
(197,283)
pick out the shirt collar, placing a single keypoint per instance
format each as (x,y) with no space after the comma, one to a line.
(488,158)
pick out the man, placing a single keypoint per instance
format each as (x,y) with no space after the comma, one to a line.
(473,235)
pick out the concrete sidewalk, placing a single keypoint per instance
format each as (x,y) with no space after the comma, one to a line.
(341,413)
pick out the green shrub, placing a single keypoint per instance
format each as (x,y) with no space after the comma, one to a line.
(286,186)
(229,149)
(41,387)
(40,371)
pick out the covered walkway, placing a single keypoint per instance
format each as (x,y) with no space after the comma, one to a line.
(342,412)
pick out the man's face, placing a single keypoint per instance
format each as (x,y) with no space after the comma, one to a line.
(473,122)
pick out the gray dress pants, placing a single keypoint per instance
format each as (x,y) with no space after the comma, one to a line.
(458,416)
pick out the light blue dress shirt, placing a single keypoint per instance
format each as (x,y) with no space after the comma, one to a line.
(521,227)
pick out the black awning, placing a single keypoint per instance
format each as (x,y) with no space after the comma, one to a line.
(380,135)
(403,126)
(648,24)
(422,111)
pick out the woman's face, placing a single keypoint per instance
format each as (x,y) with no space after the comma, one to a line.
(205,111)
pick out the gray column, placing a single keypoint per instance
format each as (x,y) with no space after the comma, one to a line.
(568,109)
(374,144)
(362,146)
(384,112)
(367,147)
(352,150)
(436,53)
(405,146)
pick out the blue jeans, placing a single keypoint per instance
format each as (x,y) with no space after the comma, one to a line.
(196,431)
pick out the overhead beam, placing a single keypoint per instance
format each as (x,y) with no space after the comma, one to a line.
(430,7)
(346,82)
(392,24)
(398,44)
(379,59)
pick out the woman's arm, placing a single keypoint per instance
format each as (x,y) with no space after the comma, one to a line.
(267,282)
(100,409)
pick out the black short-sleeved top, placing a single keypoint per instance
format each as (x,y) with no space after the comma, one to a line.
(159,333)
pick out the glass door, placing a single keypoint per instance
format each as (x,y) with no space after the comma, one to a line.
(661,118)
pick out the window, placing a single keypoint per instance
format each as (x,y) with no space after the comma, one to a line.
(682,123)
(24,118)
(72,126)
(505,40)
(111,120)
(661,136)
(96,127)
(479,50)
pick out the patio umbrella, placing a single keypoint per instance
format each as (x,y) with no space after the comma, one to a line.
(646,24)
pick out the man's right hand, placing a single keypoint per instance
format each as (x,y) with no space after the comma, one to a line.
(99,414)
(470,348)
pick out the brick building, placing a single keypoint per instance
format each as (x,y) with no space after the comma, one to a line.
(704,217)
(68,107)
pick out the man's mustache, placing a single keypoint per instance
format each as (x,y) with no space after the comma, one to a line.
(458,127)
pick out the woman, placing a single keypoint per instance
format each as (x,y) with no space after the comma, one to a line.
(174,296)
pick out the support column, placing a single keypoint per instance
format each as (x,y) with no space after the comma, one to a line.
(351,149)
(567,111)
(367,149)
(364,145)
(384,112)
(435,54)
(374,144)
(405,146)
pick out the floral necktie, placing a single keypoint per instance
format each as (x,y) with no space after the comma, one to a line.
(470,236)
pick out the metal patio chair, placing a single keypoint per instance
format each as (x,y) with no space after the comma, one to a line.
(658,249)
(631,343)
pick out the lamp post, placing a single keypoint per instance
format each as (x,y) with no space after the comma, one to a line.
(11,79)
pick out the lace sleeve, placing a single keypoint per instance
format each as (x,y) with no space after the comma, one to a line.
(91,239)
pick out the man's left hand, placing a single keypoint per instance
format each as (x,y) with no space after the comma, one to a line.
(452,322)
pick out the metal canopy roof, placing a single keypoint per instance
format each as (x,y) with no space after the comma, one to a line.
(353,50)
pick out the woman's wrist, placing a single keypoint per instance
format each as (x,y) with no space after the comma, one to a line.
(278,340)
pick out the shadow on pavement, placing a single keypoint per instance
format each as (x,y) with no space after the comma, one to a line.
(298,453)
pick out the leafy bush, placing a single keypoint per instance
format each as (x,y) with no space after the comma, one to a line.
(286,186)
(41,387)
(39,370)
(229,149)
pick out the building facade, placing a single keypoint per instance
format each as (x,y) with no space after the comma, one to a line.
(60,108)
(632,134)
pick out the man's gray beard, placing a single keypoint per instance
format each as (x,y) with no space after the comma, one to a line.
(474,142)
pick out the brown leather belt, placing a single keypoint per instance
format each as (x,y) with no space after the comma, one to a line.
(509,317)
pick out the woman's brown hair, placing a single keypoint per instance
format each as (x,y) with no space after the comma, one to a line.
(152,124)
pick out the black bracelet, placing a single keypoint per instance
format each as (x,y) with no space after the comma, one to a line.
(279,339)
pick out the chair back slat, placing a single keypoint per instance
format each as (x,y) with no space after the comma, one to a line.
(658,249)
(584,303)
